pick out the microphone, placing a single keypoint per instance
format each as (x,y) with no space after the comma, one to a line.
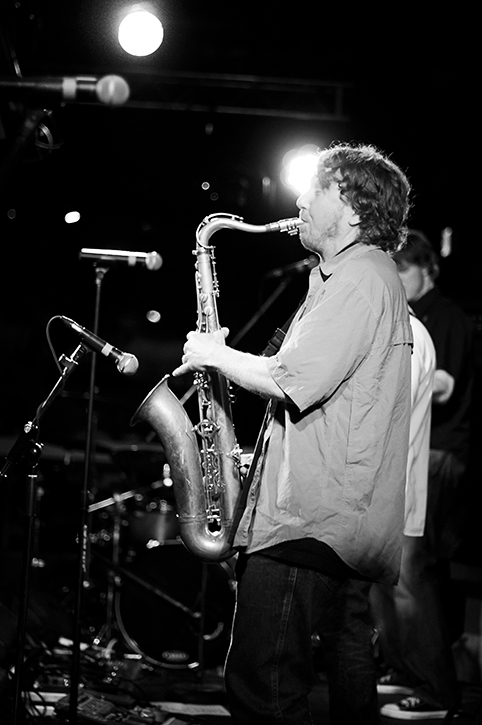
(151,260)
(126,363)
(304,265)
(111,90)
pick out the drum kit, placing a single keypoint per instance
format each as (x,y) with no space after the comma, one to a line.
(143,588)
(168,606)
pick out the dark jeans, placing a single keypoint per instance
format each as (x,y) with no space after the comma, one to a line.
(269,669)
(411,618)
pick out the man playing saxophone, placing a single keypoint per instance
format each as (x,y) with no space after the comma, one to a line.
(326,502)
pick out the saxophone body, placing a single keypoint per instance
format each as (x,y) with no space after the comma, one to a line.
(204,459)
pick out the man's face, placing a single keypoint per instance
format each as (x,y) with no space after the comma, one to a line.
(326,215)
(415,279)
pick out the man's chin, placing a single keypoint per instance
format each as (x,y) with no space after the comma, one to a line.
(305,241)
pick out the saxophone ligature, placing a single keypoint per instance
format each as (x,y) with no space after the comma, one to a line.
(204,459)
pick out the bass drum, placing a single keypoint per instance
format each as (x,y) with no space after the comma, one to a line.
(174,609)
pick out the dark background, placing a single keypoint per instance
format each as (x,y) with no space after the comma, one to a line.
(231,89)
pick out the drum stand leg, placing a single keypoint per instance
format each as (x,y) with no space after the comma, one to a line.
(202,622)
(105,632)
(201,672)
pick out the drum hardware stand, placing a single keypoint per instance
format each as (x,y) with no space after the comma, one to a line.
(118,497)
(105,631)
(123,572)
(28,448)
(200,639)
(116,572)
(114,567)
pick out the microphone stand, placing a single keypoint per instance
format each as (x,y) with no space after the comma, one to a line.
(82,560)
(28,448)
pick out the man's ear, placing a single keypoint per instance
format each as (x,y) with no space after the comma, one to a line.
(353,217)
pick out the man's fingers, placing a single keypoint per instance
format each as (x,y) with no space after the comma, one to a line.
(181,370)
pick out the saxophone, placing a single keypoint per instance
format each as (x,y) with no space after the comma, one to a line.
(206,476)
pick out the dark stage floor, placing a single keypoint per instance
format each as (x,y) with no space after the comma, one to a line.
(185,697)
(118,684)
(154,622)
(146,624)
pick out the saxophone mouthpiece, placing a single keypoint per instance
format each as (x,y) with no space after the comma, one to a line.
(285,225)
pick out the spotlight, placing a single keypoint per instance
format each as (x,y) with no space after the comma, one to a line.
(299,165)
(153,316)
(71,217)
(140,32)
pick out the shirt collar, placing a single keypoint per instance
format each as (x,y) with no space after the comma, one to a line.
(349,252)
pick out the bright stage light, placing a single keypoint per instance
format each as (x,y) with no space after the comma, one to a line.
(71,217)
(299,165)
(140,33)
(153,316)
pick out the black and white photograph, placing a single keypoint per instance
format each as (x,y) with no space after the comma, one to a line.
(241,372)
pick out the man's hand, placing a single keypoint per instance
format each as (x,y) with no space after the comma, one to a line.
(443,386)
(207,352)
(201,351)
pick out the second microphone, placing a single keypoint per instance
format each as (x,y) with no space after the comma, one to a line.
(126,363)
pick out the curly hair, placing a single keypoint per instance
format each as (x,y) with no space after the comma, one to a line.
(375,187)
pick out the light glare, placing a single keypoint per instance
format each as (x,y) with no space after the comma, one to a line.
(71,217)
(140,33)
(153,316)
(299,168)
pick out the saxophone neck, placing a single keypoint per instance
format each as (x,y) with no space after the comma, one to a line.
(214,222)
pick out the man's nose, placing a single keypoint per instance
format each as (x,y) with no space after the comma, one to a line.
(301,201)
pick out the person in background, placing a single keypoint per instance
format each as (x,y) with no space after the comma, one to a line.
(418,648)
(392,606)
(325,501)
